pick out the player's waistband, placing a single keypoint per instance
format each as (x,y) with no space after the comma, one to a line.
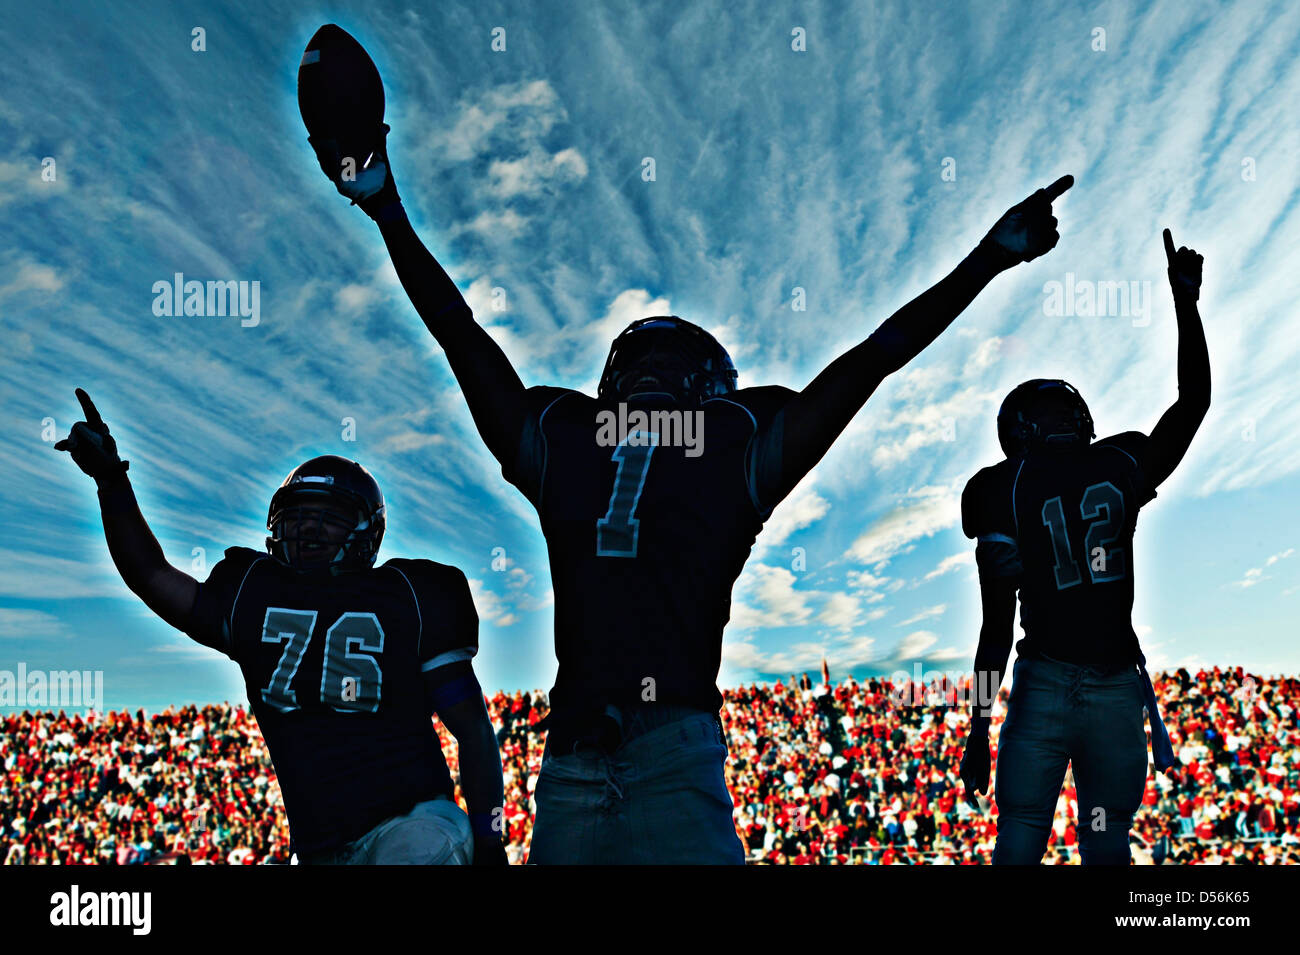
(613,726)
(1104,668)
(1095,668)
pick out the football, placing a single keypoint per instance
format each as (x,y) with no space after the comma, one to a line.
(340,93)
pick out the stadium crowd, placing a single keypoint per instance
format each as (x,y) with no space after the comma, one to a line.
(821,773)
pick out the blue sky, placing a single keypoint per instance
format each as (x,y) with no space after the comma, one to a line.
(775,169)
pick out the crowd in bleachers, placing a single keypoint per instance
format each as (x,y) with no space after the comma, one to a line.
(846,773)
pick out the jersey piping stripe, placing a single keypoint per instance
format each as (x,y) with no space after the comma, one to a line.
(451,656)
(1014,484)
(1125,453)
(419,643)
(546,449)
(997,539)
(753,496)
(230,619)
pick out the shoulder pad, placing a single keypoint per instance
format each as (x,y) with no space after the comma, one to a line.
(986,501)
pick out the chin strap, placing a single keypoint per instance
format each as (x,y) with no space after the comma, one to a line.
(651,396)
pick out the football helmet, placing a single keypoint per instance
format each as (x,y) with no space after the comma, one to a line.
(1043,412)
(666,356)
(327,515)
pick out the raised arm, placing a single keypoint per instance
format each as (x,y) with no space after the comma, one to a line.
(166,591)
(1173,434)
(814,418)
(492,388)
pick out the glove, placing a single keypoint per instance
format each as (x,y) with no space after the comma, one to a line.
(490,852)
(1184,269)
(1027,229)
(975,764)
(91,446)
(366,180)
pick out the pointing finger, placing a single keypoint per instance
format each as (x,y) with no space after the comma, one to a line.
(88,407)
(1058,187)
(1169,247)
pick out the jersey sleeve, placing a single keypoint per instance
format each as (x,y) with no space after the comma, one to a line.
(214,605)
(1135,446)
(986,516)
(764,460)
(448,620)
(528,470)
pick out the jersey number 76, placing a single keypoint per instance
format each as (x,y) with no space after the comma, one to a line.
(350,679)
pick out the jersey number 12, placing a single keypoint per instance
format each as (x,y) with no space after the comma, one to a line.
(1103,505)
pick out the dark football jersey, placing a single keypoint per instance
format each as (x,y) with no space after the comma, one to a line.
(646,533)
(334,671)
(1062,522)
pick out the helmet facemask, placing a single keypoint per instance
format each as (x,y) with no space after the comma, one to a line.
(315,531)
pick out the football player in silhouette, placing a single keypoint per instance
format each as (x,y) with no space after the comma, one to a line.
(344,662)
(1054,521)
(650,495)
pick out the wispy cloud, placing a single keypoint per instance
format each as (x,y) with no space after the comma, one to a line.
(925,613)
(924,513)
(30,624)
(1257,575)
(951,563)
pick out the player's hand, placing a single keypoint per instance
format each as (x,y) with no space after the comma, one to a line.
(366,179)
(975,766)
(490,852)
(1027,229)
(91,446)
(1184,269)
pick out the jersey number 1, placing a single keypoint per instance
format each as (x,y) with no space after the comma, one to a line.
(350,678)
(616,532)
